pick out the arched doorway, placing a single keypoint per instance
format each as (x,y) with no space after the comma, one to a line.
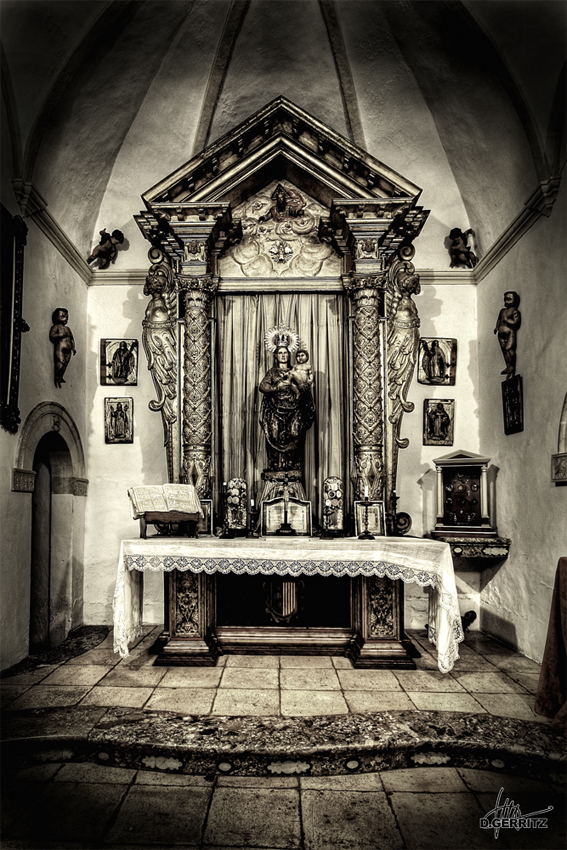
(51,469)
(51,569)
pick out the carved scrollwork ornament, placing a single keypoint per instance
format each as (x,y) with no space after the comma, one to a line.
(403,343)
(160,345)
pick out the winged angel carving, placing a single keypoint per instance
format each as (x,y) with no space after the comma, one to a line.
(403,342)
(161,348)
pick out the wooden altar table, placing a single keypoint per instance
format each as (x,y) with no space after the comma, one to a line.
(412,560)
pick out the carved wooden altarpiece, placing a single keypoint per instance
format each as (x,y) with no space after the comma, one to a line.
(219,236)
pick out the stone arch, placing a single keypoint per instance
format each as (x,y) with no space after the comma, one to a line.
(43,419)
(51,467)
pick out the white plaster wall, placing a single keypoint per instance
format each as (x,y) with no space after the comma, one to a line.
(49,282)
(445,311)
(531,510)
(115,312)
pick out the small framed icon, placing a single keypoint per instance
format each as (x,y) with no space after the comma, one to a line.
(119,420)
(119,362)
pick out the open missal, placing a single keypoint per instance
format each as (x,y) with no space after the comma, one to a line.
(164,498)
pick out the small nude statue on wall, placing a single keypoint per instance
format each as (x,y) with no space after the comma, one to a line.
(507,324)
(62,338)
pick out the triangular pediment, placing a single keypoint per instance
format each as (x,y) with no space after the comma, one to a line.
(281,142)
(461,456)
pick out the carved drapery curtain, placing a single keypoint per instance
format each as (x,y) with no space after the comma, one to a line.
(242,361)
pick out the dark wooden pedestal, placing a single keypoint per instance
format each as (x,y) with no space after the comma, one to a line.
(374,638)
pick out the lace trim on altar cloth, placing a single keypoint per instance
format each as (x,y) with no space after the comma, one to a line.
(266,566)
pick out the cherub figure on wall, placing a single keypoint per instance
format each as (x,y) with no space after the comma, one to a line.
(106,250)
(62,338)
(460,250)
(507,324)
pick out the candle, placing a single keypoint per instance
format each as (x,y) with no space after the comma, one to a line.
(366,491)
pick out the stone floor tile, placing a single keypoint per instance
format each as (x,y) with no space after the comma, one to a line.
(38,772)
(488,683)
(254,677)
(238,702)
(270,661)
(258,782)
(43,696)
(254,817)
(186,700)
(341,663)
(191,677)
(303,703)
(151,777)
(529,681)
(440,821)
(368,680)
(472,661)
(348,819)
(161,815)
(360,702)
(485,781)
(309,679)
(508,705)
(515,661)
(33,677)
(8,693)
(346,782)
(552,837)
(426,662)
(126,677)
(445,702)
(76,675)
(423,780)
(126,697)
(67,811)
(99,657)
(421,680)
(306,661)
(96,773)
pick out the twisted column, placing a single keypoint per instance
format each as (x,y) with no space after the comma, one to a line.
(197,412)
(368,406)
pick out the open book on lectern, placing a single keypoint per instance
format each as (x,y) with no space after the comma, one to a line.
(164,498)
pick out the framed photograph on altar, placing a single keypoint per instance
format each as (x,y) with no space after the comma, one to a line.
(119,362)
(370,516)
(118,420)
(205,524)
(298,516)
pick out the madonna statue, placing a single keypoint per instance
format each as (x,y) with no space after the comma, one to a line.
(287,411)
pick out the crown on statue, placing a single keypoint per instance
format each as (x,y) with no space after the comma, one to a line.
(281,335)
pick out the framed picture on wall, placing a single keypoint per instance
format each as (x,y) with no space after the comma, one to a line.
(119,362)
(513,405)
(437,361)
(119,420)
(438,421)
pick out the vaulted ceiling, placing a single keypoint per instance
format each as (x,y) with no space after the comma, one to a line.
(102,100)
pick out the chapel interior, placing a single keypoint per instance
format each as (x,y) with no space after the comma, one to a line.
(190,187)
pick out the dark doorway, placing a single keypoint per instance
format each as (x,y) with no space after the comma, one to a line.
(50,463)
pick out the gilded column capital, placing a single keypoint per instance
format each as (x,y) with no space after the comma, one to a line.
(358,285)
(207,284)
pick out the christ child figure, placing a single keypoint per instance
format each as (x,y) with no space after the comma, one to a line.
(302,374)
(507,324)
(62,338)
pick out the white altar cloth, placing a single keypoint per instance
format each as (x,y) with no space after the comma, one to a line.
(414,560)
